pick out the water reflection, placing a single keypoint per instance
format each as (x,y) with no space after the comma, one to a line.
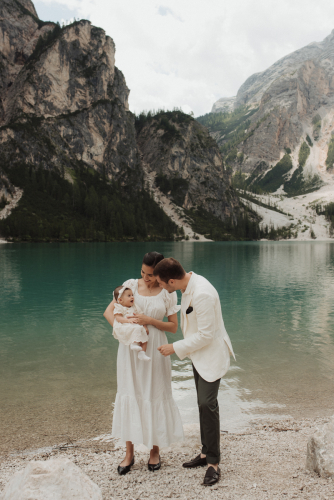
(58,357)
(277,305)
(10,278)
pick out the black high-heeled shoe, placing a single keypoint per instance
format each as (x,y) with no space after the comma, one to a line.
(153,467)
(124,470)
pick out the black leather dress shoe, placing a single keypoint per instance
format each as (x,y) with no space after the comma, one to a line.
(153,467)
(195,462)
(124,470)
(211,476)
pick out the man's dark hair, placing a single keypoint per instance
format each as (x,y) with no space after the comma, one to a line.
(169,269)
(151,259)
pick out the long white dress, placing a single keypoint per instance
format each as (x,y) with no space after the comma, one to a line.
(145,411)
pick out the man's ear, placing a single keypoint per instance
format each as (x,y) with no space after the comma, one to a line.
(171,282)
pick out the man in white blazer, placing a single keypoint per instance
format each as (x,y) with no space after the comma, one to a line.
(207,344)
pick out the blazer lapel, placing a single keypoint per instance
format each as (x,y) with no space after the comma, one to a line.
(185,302)
(186,299)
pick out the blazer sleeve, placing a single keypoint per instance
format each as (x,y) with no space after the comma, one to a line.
(204,305)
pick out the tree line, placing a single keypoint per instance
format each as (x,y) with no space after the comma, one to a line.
(90,209)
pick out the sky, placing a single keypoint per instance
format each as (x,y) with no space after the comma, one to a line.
(189,53)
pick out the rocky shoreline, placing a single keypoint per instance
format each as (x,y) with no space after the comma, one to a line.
(265,461)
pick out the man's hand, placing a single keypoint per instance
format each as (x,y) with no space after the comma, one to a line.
(166,350)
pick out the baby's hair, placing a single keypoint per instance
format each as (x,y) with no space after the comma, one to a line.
(117,290)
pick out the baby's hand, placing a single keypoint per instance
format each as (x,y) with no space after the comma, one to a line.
(132,320)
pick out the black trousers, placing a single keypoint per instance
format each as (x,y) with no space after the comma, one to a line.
(207,393)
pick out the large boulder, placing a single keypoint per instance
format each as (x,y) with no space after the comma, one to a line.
(320,450)
(55,479)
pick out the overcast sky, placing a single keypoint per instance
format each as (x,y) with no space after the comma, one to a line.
(189,53)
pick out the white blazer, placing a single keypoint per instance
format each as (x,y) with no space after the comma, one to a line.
(206,341)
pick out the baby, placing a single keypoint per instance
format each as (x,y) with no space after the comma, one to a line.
(126,329)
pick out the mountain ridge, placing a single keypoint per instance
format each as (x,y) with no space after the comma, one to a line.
(288,97)
(65,124)
(279,138)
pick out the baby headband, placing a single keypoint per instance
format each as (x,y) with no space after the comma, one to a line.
(120,292)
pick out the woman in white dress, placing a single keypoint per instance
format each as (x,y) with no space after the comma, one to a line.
(145,411)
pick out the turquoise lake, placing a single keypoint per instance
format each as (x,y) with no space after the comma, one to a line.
(58,355)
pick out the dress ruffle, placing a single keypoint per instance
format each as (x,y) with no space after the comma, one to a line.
(173,310)
(146,422)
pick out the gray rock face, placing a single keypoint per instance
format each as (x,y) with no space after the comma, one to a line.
(66,102)
(253,89)
(320,451)
(225,104)
(288,108)
(19,31)
(192,160)
(258,84)
(289,95)
(55,479)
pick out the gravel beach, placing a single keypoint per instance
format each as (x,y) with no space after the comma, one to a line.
(263,462)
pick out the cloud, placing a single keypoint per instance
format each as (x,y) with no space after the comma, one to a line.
(165,11)
(218,45)
(55,13)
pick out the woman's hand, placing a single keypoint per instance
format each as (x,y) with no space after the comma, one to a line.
(142,319)
(132,320)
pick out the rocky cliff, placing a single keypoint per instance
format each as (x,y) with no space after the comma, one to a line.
(291,104)
(223,105)
(187,163)
(63,100)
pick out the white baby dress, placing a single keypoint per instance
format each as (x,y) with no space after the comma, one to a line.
(127,333)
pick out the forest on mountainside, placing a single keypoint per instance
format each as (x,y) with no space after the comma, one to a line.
(90,208)
(230,129)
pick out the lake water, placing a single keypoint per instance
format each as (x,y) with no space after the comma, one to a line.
(58,355)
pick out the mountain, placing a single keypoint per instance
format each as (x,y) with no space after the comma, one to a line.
(72,157)
(279,134)
(63,100)
(186,162)
(225,104)
(253,89)
(67,137)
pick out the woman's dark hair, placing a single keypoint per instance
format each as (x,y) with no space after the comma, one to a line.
(151,259)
